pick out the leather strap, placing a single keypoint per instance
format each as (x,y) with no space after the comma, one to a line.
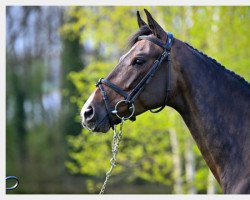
(113,86)
(152,39)
(158,42)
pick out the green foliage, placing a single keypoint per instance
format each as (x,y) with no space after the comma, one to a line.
(146,153)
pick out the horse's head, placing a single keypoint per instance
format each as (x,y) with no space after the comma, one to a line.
(139,82)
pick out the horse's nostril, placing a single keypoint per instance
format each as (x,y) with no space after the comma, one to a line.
(89,113)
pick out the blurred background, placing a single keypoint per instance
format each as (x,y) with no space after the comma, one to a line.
(54,55)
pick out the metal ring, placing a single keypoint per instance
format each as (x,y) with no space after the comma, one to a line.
(116,111)
(16,182)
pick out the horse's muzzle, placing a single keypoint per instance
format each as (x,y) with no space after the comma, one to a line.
(94,118)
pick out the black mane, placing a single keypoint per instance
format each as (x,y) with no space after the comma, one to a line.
(241,79)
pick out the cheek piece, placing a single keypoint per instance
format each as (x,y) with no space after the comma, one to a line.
(129,98)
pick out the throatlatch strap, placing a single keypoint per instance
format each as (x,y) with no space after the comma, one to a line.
(167,47)
(146,79)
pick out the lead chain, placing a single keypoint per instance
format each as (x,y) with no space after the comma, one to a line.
(115,144)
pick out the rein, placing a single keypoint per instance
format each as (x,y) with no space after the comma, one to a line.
(129,98)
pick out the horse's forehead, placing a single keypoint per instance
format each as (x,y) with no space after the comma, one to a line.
(137,48)
(126,54)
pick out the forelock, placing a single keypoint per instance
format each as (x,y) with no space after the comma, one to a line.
(144,30)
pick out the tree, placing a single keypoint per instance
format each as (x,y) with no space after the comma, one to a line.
(34,144)
(71,62)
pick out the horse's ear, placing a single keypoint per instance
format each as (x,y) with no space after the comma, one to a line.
(155,27)
(140,21)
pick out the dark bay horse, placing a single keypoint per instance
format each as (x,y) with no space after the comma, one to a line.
(214,102)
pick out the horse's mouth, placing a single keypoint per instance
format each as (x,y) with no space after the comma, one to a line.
(102,125)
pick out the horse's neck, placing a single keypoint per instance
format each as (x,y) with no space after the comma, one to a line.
(213,106)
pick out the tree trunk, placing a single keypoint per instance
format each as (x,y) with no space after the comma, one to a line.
(176,162)
(190,166)
(211,183)
(71,61)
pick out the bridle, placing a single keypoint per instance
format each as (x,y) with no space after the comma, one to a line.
(129,98)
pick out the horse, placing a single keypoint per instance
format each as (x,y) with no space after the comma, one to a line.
(160,70)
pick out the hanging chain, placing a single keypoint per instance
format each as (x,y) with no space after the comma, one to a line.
(115,144)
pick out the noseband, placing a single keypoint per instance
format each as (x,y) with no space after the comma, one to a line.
(129,98)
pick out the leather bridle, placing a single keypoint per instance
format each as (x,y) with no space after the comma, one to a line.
(129,98)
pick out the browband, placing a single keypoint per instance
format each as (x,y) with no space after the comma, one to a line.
(158,42)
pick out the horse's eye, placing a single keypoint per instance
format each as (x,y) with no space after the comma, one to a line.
(138,61)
